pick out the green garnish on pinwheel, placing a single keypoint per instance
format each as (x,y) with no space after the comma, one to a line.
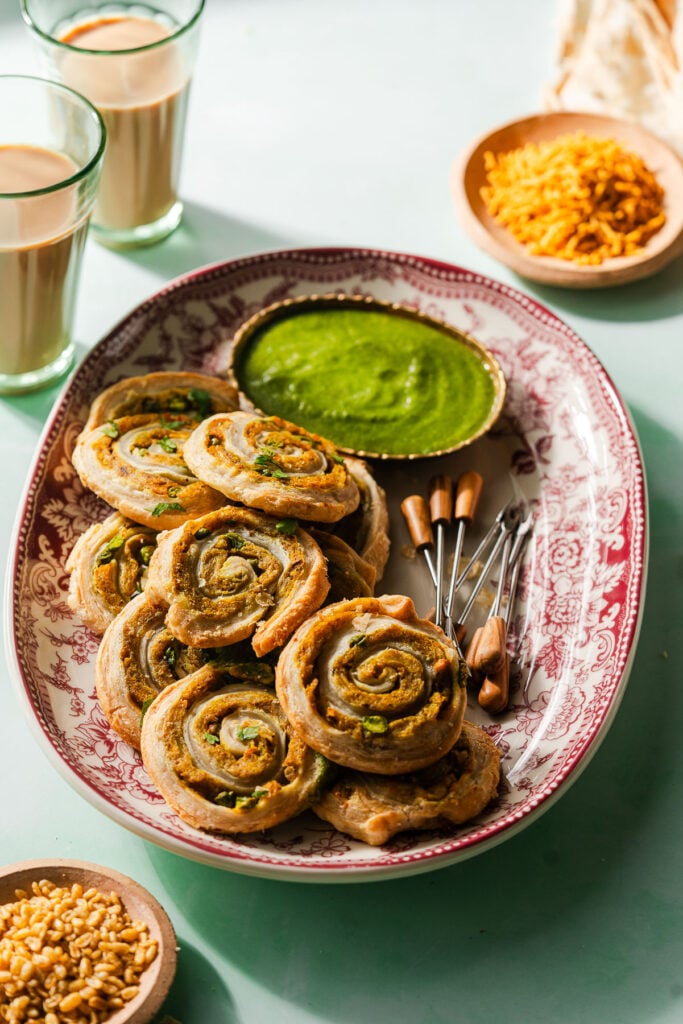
(170,424)
(376,724)
(245,802)
(201,400)
(225,798)
(267,466)
(109,550)
(111,429)
(287,526)
(145,553)
(144,706)
(167,506)
(247,732)
(235,540)
(327,772)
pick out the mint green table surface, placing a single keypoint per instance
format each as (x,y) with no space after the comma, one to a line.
(320,122)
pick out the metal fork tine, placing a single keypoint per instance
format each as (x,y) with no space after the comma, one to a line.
(521,537)
(506,527)
(483,544)
(520,543)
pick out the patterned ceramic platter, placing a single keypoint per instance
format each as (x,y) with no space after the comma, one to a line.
(564,445)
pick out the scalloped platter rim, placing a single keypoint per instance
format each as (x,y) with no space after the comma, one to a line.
(565,444)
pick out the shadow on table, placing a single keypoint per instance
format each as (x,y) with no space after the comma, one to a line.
(655,298)
(198,992)
(36,405)
(206,236)
(571,920)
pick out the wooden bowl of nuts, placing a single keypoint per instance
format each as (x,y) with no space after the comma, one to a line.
(81,943)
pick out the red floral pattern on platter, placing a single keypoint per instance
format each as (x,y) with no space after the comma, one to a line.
(565,445)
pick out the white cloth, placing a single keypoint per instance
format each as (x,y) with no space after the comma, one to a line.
(623,58)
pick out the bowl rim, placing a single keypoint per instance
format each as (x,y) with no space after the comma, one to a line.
(329,300)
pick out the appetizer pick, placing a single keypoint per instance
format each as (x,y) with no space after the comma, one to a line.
(468,490)
(272,465)
(136,464)
(372,686)
(224,757)
(237,573)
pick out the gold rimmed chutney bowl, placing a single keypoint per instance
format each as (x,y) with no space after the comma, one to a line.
(378,379)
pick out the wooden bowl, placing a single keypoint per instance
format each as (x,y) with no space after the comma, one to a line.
(292,307)
(156,979)
(468,175)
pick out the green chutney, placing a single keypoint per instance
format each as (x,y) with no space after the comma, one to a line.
(367,380)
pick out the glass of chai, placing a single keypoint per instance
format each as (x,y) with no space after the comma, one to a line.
(51,147)
(134,62)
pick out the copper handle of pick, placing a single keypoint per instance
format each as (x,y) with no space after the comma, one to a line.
(416,514)
(495,690)
(487,649)
(467,494)
(440,507)
(441,499)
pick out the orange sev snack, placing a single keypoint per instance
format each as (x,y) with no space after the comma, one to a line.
(576,197)
(69,955)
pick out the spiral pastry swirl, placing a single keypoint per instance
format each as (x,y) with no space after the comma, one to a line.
(272,465)
(191,394)
(453,790)
(223,757)
(108,566)
(139,656)
(237,573)
(136,464)
(373,687)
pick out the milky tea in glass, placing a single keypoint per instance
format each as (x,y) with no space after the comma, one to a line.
(134,63)
(51,146)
